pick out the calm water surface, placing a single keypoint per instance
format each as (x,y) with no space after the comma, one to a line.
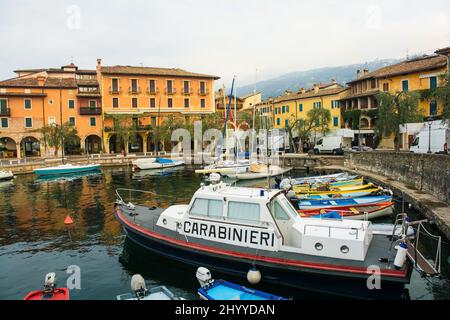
(35,241)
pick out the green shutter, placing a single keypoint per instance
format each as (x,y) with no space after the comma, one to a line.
(433,83)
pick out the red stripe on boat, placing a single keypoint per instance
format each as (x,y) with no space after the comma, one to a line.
(312,265)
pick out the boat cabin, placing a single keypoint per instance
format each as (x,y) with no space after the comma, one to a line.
(264,220)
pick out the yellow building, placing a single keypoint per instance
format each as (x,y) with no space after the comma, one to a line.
(416,74)
(290,107)
(147,96)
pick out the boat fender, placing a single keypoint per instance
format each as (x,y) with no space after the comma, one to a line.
(130,206)
(49,282)
(285,185)
(400,257)
(254,276)
(204,277)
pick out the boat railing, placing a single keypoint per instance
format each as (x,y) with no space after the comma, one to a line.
(130,191)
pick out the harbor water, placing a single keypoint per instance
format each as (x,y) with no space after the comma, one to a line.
(34,239)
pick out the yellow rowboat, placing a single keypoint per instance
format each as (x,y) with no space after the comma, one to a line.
(338,194)
(347,183)
(342,188)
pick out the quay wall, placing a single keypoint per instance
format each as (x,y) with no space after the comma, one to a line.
(429,173)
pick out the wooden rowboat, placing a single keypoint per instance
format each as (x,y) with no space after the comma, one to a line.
(355,212)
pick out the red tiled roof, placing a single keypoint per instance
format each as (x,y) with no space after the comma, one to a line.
(153,71)
(407,66)
(309,94)
(22,82)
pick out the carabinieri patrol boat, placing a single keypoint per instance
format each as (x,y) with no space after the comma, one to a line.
(234,229)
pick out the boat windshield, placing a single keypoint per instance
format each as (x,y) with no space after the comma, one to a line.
(281,208)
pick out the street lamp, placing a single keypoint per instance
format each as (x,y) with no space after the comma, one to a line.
(429,119)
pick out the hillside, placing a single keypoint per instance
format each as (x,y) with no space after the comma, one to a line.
(296,80)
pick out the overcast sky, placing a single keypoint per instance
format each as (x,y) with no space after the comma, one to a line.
(220,37)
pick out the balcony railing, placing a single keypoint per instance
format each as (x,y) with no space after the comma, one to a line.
(188,91)
(88,111)
(116,90)
(170,91)
(152,90)
(132,90)
(203,92)
(5,112)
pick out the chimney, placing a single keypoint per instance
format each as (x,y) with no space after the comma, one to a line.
(358,74)
(41,80)
(99,63)
(366,71)
(316,88)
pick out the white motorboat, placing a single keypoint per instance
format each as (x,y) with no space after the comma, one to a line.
(226,167)
(6,175)
(140,291)
(155,163)
(66,169)
(260,171)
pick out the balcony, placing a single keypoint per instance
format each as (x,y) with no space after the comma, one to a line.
(170,91)
(87,111)
(188,91)
(5,112)
(152,91)
(136,90)
(116,90)
(203,92)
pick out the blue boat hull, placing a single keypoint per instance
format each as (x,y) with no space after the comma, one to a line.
(52,172)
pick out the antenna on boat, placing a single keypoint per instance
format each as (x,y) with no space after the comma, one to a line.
(267,153)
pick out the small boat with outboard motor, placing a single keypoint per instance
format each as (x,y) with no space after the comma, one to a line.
(155,163)
(211,289)
(226,167)
(305,204)
(233,229)
(340,185)
(6,175)
(66,169)
(139,291)
(260,171)
(342,176)
(333,194)
(50,292)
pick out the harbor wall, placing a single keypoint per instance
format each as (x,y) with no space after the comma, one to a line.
(429,173)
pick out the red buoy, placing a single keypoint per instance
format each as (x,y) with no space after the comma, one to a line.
(68,220)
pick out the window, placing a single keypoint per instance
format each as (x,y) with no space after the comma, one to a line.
(152,102)
(115,102)
(335,121)
(72,121)
(279,212)
(405,85)
(28,122)
(134,85)
(433,108)
(71,104)
(5,123)
(92,104)
(152,86)
(433,83)
(202,103)
(286,123)
(373,83)
(287,109)
(153,121)
(207,207)
(3,105)
(186,103)
(27,103)
(278,121)
(276,109)
(243,211)
(202,87)
(115,85)
(301,107)
(283,109)
(169,103)
(169,86)
(385,87)
(134,102)
(92,121)
(186,87)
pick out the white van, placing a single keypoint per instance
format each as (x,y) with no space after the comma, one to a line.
(437,140)
(332,145)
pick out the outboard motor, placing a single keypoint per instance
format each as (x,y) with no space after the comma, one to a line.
(204,277)
(214,178)
(285,185)
(138,286)
(49,282)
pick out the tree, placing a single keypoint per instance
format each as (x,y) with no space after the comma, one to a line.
(54,134)
(316,120)
(394,111)
(442,94)
(125,131)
